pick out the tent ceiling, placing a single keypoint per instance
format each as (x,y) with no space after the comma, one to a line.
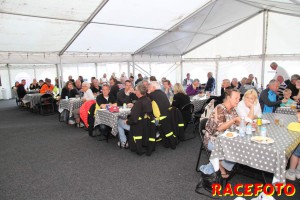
(169,27)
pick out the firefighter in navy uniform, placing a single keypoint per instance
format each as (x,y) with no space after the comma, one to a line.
(160,106)
(142,130)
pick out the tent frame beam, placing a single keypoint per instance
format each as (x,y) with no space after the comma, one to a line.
(85,24)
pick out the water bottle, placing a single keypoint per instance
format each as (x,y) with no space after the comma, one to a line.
(249,129)
(242,127)
(124,105)
(263,131)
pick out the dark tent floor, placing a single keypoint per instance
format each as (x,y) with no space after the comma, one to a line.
(41,158)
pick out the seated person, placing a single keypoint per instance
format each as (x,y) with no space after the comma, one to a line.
(249,106)
(106,98)
(193,89)
(223,117)
(168,89)
(96,89)
(141,107)
(114,88)
(235,84)
(41,83)
(47,87)
(21,89)
(14,89)
(294,171)
(34,85)
(180,98)
(69,91)
(287,93)
(126,95)
(268,98)
(87,95)
(78,87)
(225,85)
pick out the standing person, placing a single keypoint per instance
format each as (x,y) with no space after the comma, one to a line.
(21,91)
(140,78)
(268,99)
(282,86)
(68,90)
(103,80)
(211,83)
(34,85)
(292,86)
(193,89)
(279,71)
(187,81)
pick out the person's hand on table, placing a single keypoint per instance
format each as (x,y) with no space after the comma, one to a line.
(103,106)
(130,105)
(237,120)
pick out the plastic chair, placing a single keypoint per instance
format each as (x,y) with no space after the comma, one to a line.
(187,112)
(202,146)
(46,101)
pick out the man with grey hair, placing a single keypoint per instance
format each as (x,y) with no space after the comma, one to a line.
(268,98)
(187,81)
(292,86)
(279,71)
(194,88)
(87,95)
(136,123)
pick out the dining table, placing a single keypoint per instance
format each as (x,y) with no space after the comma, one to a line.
(110,119)
(70,105)
(270,157)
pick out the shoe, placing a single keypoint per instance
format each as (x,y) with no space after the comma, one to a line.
(297,174)
(290,176)
(71,122)
(123,144)
(80,125)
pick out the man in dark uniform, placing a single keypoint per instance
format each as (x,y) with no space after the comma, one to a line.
(114,87)
(106,98)
(160,106)
(142,132)
(21,91)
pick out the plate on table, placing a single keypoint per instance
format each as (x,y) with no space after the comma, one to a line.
(230,134)
(264,121)
(262,140)
(238,128)
(72,98)
(125,109)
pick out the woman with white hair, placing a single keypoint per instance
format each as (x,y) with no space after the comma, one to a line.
(87,95)
(249,107)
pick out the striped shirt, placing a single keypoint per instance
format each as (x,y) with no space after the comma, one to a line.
(281,88)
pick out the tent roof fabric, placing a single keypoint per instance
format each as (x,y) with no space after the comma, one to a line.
(156,28)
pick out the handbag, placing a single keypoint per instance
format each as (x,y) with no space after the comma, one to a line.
(204,187)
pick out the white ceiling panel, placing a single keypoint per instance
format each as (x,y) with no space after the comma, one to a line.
(154,14)
(64,9)
(106,38)
(29,34)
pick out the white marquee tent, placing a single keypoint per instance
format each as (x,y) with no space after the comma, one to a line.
(48,38)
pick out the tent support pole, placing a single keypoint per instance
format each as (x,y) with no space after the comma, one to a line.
(133,66)
(217,78)
(34,71)
(96,70)
(181,70)
(9,79)
(128,70)
(264,45)
(60,82)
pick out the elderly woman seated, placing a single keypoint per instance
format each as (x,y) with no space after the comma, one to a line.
(223,117)
(87,95)
(249,107)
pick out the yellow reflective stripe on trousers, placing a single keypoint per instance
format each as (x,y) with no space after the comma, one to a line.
(180,125)
(140,118)
(169,134)
(162,117)
(152,139)
(137,138)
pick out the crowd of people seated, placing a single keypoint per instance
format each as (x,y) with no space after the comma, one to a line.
(244,98)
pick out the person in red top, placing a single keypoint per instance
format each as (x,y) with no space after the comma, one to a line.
(47,87)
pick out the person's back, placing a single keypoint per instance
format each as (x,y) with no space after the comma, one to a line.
(160,102)
(180,100)
(21,91)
